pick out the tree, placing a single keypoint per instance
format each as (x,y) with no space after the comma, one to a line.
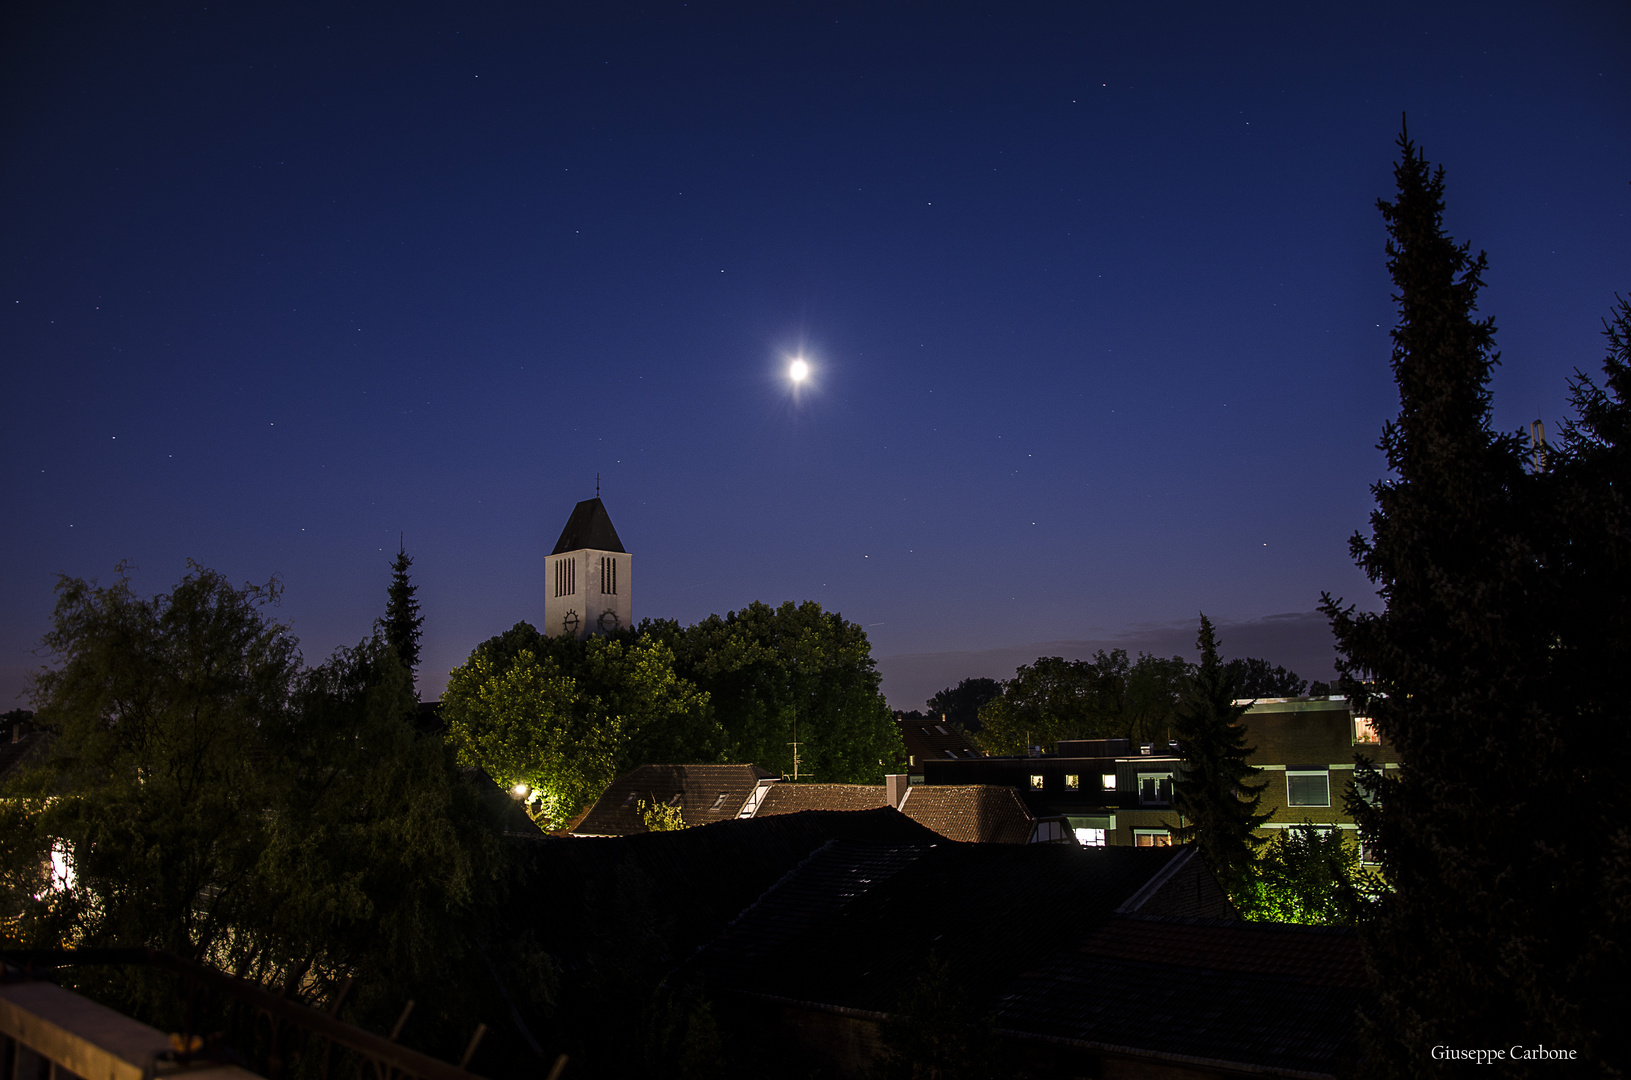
(1255,678)
(215,799)
(1309,875)
(402,622)
(794,672)
(1106,697)
(937,1031)
(961,704)
(1503,836)
(560,718)
(1214,788)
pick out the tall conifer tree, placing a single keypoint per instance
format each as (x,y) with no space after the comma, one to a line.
(402,621)
(1494,859)
(1213,789)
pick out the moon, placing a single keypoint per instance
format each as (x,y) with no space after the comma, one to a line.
(798,371)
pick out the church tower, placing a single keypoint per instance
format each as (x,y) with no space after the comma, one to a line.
(589,585)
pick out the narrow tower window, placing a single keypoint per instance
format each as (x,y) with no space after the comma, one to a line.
(608,575)
(566,578)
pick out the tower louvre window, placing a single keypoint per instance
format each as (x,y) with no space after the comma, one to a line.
(566,577)
(608,575)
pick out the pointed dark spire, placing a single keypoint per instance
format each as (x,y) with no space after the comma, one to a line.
(588,527)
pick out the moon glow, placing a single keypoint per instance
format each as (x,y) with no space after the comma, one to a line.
(798,371)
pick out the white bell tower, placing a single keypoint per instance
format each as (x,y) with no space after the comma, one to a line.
(589,580)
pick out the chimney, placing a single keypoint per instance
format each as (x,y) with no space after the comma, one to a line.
(895,786)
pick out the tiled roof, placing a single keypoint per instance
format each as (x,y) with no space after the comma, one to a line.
(789,798)
(1262,995)
(588,527)
(699,879)
(933,739)
(705,794)
(975,813)
(992,910)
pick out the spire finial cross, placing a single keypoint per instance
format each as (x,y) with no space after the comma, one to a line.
(597,485)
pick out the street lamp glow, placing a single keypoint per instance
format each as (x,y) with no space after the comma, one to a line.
(798,371)
(521,791)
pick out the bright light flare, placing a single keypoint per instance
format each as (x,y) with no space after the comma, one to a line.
(521,791)
(798,371)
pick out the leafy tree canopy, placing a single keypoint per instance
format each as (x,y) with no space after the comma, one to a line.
(559,719)
(961,704)
(774,674)
(1108,696)
(1255,678)
(1309,875)
(212,797)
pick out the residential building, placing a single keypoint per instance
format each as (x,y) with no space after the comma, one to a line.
(1115,794)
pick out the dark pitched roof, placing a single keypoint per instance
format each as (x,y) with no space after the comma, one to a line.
(972,813)
(588,527)
(1266,995)
(703,793)
(932,740)
(992,910)
(785,798)
(976,813)
(508,813)
(700,879)
(28,749)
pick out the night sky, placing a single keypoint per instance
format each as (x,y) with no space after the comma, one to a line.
(1093,296)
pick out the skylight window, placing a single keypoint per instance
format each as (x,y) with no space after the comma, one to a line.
(719,802)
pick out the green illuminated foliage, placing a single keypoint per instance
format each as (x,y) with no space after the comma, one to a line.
(564,718)
(1309,875)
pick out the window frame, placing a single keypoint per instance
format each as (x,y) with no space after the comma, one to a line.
(1324,773)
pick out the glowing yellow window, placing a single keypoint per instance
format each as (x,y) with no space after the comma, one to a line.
(1072,781)
(1036,781)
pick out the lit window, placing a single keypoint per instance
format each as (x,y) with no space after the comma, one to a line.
(1152,838)
(1365,730)
(1072,782)
(1369,850)
(1036,781)
(1109,779)
(1090,837)
(1308,787)
(1155,789)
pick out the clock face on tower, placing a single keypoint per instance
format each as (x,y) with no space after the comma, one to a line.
(609,621)
(570,622)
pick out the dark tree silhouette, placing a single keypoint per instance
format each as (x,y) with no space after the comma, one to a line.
(402,622)
(960,704)
(1504,834)
(1213,789)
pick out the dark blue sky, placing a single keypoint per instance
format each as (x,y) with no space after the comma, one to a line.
(1094,296)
